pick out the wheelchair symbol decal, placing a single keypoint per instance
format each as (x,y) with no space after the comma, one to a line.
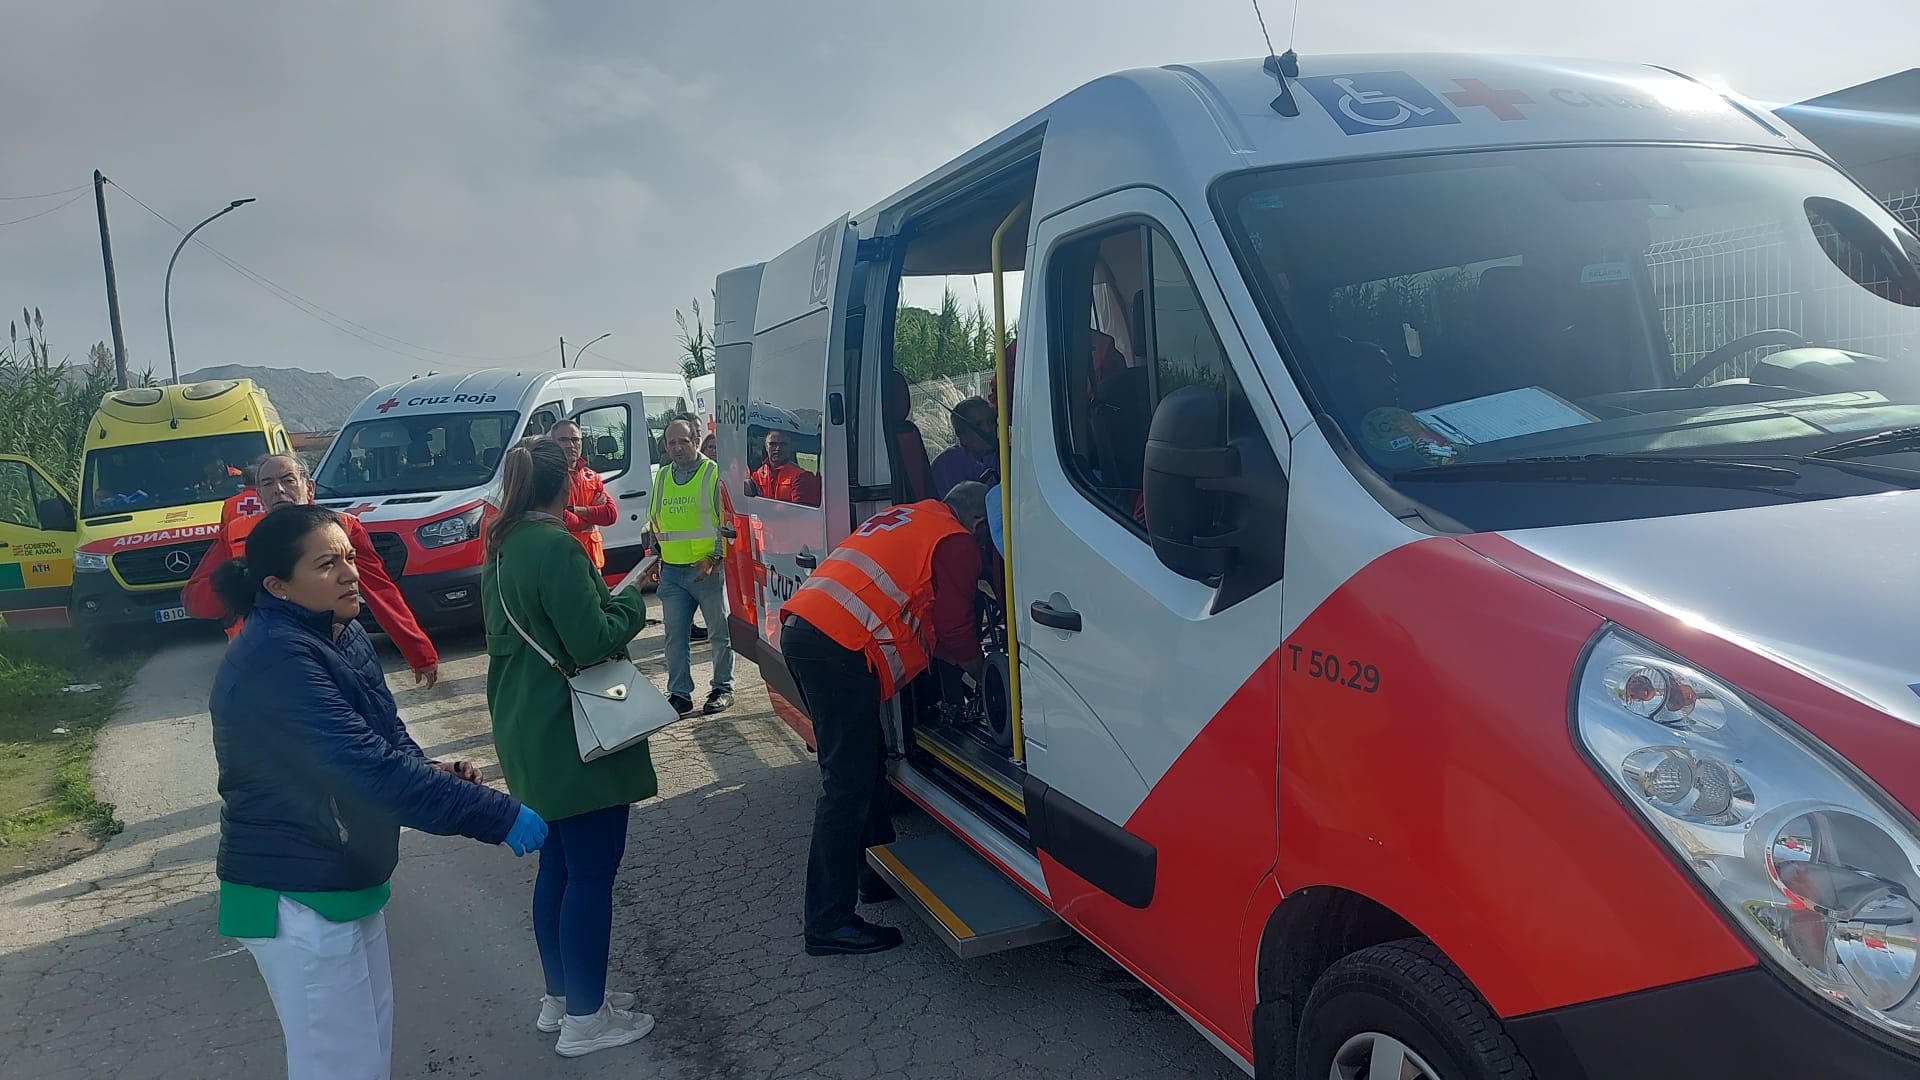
(1365,106)
(1378,101)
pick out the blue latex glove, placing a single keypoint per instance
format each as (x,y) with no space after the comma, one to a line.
(994,527)
(528,832)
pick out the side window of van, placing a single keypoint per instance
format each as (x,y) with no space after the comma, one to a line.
(786,390)
(606,439)
(17,502)
(543,419)
(1127,330)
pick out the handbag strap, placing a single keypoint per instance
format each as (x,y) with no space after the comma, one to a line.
(501,588)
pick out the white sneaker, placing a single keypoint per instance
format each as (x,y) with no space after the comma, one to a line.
(606,1029)
(552,1009)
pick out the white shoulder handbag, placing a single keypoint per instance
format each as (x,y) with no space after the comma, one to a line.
(613,706)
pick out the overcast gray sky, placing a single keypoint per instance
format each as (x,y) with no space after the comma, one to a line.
(479,177)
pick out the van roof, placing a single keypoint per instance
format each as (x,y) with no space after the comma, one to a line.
(491,390)
(1182,126)
(184,402)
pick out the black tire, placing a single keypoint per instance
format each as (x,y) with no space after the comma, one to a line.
(1410,992)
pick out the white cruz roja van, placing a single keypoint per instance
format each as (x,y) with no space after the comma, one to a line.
(1464,586)
(419,464)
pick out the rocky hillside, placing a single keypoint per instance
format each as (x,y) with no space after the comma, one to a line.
(307,400)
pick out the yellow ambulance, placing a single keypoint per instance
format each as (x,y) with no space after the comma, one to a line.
(159,463)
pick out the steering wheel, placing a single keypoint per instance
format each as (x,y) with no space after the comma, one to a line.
(1735,349)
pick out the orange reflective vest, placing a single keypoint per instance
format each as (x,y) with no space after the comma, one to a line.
(237,532)
(873,594)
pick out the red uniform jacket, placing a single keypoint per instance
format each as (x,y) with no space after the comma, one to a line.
(377,590)
(790,483)
(590,494)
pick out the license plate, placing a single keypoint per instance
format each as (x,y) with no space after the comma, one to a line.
(170,614)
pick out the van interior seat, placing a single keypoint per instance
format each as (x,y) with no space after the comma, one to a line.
(490,457)
(1122,412)
(1358,376)
(1521,333)
(606,452)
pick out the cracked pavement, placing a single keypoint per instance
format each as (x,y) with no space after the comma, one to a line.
(110,968)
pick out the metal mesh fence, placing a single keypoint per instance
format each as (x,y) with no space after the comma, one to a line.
(1715,287)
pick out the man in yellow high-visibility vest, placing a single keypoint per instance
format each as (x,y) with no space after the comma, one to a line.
(687,520)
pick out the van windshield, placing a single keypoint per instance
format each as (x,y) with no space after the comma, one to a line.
(174,472)
(1575,302)
(417,454)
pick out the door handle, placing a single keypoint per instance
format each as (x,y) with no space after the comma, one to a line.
(1064,619)
(634,495)
(806,560)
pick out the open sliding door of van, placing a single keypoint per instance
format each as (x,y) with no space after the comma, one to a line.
(791,414)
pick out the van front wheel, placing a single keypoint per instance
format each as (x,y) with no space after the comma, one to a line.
(1402,1011)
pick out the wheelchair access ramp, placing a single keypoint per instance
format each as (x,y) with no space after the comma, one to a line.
(969,904)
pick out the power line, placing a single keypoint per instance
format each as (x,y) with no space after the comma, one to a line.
(326,315)
(44,194)
(50,210)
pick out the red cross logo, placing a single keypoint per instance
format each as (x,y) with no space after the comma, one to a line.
(394,402)
(248,506)
(356,511)
(1502,103)
(886,521)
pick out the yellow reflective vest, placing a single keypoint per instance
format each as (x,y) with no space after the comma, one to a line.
(686,517)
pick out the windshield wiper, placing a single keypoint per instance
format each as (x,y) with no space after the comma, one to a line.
(1894,441)
(1613,469)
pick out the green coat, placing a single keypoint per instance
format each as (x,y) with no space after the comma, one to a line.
(565,604)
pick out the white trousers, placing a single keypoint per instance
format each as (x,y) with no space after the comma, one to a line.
(333,991)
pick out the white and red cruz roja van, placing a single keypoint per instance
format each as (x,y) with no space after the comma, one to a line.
(1464,606)
(419,463)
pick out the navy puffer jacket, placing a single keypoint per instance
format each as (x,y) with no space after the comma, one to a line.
(317,773)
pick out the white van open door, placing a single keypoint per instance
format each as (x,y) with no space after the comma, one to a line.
(795,408)
(617,443)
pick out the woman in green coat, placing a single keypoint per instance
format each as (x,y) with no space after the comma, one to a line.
(538,570)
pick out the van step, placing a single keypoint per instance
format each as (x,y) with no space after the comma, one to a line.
(969,903)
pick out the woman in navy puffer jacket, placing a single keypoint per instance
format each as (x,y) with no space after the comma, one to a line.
(317,775)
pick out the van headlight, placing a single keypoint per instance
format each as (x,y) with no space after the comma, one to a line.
(87,562)
(1817,867)
(456,529)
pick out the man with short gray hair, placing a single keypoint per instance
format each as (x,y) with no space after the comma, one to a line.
(282,480)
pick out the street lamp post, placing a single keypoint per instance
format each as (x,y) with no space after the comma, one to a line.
(577,352)
(173,364)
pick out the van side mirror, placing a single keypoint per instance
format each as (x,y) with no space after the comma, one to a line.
(1216,503)
(56,515)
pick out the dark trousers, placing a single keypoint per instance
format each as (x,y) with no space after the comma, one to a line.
(843,699)
(573,904)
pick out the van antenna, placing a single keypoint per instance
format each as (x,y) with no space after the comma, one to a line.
(1282,67)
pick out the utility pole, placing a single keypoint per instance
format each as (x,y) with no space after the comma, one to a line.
(113,285)
(563,351)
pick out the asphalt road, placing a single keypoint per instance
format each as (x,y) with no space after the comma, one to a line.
(111,967)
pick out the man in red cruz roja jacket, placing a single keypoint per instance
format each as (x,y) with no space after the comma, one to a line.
(281,480)
(588,506)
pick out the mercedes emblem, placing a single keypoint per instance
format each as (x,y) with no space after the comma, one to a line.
(178,562)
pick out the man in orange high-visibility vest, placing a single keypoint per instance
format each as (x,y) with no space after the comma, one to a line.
(887,601)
